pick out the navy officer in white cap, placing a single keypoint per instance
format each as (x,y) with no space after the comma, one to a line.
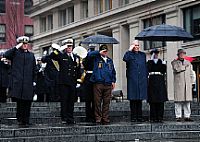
(70,71)
(22,81)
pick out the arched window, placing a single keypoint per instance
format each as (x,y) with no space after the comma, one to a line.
(27,6)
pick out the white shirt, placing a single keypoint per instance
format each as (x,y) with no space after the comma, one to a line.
(104,58)
(155,61)
(70,54)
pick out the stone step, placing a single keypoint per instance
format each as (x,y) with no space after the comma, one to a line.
(113,132)
(124,104)
(57,119)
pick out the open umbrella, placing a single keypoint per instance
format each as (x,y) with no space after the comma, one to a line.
(99,39)
(164,33)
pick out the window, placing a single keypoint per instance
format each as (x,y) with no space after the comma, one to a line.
(27,6)
(50,22)
(84,9)
(70,14)
(2,6)
(103,5)
(157,20)
(123,2)
(43,24)
(99,6)
(62,17)
(191,17)
(108,4)
(28,30)
(2,33)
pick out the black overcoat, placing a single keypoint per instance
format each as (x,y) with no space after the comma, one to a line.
(4,70)
(23,73)
(157,91)
(70,70)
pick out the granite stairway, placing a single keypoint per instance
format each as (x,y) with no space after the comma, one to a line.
(46,125)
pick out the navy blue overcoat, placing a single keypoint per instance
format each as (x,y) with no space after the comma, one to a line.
(136,73)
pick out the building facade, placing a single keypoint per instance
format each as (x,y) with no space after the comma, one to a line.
(55,20)
(14,21)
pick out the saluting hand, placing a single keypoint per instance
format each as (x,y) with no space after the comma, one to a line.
(19,45)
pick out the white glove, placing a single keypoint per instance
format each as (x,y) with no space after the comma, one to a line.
(164,62)
(3,59)
(19,45)
(78,85)
(35,97)
(34,84)
(62,47)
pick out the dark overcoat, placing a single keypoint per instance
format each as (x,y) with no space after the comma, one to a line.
(23,73)
(136,73)
(70,70)
(157,91)
(4,70)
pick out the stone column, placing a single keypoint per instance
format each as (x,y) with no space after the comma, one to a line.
(115,4)
(77,10)
(36,25)
(134,29)
(117,56)
(172,19)
(55,19)
(91,10)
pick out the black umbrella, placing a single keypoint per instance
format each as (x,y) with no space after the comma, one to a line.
(164,33)
(99,39)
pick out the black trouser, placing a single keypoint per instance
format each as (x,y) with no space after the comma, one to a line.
(89,100)
(23,111)
(67,94)
(156,111)
(136,109)
(3,96)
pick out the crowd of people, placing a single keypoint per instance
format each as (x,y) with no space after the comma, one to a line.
(54,78)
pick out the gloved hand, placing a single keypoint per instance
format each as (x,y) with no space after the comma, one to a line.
(34,84)
(3,59)
(78,85)
(19,45)
(164,62)
(35,97)
(62,47)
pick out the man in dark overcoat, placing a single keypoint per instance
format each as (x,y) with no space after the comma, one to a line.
(23,73)
(157,91)
(4,79)
(136,73)
(70,71)
(88,89)
(51,73)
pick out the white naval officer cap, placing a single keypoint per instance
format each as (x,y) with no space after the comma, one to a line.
(23,39)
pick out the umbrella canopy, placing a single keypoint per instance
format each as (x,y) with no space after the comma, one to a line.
(164,33)
(99,39)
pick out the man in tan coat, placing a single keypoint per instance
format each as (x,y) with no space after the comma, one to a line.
(182,86)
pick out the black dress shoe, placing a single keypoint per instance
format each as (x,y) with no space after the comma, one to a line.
(178,119)
(105,123)
(133,120)
(188,120)
(70,122)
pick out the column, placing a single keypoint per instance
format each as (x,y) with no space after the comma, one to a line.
(115,4)
(77,10)
(55,19)
(91,9)
(117,56)
(172,47)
